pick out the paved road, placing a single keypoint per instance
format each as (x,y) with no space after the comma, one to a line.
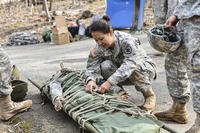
(39,62)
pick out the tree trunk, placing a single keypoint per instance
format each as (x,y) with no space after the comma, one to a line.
(50,6)
(46,10)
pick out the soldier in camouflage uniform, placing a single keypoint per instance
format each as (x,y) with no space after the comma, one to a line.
(177,79)
(159,10)
(189,12)
(8,108)
(162,9)
(119,57)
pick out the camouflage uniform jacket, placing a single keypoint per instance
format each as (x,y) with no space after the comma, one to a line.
(5,73)
(128,55)
(187,9)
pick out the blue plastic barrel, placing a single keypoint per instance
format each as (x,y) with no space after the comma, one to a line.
(121,13)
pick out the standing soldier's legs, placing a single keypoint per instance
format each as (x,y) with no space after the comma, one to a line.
(8,108)
(142,83)
(159,11)
(193,46)
(177,83)
(5,74)
(149,3)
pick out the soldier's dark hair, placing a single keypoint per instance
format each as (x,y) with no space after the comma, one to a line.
(106,18)
(86,14)
(101,25)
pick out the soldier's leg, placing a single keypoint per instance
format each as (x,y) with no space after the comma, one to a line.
(56,95)
(159,11)
(8,108)
(107,69)
(141,80)
(5,74)
(176,75)
(149,3)
(177,83)
(193,45)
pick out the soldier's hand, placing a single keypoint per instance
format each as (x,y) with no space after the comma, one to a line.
(171,21)
(104,87)
(91,85)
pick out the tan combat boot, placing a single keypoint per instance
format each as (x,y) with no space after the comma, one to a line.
(196,127)
(177,113)
(150,100)
(8,108)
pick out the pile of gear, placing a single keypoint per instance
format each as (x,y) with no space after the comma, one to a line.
(22,38)
(164,39)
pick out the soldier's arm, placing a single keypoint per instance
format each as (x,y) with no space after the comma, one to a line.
(93,66)
(181,11)
(178,11)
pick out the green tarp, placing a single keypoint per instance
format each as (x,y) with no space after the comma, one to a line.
(98,113)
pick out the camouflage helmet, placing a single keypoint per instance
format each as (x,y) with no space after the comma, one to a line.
(20,89)
(163,39)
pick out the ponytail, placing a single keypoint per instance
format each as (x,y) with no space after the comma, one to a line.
(101,25)
(106,18)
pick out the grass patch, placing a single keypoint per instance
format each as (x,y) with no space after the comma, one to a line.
(16,25)
(18,123)
(97,4)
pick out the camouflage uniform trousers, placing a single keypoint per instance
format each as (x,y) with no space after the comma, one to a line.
(162,9)
(139,78)
(176,75)
(5,74)
(192,43)
(175,62)
(55,90)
